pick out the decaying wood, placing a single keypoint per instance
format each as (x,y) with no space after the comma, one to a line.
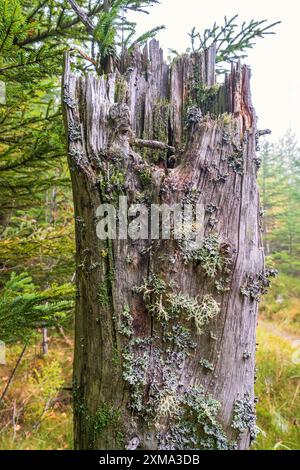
(152,144)
(136,380)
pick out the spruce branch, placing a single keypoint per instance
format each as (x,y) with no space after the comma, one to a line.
(231,41)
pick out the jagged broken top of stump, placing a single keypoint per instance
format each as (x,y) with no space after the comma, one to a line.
(147,79)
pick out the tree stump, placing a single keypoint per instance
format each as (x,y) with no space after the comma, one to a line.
(164,337)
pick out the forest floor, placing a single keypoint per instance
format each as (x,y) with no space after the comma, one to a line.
(37,411)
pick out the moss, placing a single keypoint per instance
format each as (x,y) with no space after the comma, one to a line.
(103,296)
(145,176)
(104,253)
(204,95)
(158,131)
(226,119)
(120,90)
(111,181)
(106,416)
(161,111)
(115,357)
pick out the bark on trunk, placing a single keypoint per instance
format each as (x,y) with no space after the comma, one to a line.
(165,338)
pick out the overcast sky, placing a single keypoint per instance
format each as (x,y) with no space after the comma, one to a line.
(274,60)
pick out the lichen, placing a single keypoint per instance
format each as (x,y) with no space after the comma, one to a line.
(247,355)
(206,364)
(168,406)
(200,312)
(244,416)
(74,131)
(193,116)
(258,285)
(152,290)
(196,425)
(134,373)
(211,209)
(209,256)
(125,327)
(236,161)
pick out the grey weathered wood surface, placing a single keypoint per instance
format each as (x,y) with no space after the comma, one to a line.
(98,131)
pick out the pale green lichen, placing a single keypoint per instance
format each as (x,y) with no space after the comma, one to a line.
(125,327)
(206,364)
(200,312)
(244,416)
(196,426)
(209,257)
(135,374)
(153,290)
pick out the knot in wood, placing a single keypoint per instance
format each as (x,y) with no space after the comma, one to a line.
(119,115)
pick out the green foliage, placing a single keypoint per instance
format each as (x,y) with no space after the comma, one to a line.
(279,180)
(282,303)
(230,40)
(24,308)
(12,22)
(114,32)
(277,387)
(42,409)
(46,382)
(37,227)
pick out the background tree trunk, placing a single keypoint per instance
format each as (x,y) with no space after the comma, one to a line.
(165,339)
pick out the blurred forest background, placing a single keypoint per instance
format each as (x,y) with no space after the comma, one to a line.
(37,245)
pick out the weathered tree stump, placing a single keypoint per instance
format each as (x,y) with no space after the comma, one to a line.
(165,339)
